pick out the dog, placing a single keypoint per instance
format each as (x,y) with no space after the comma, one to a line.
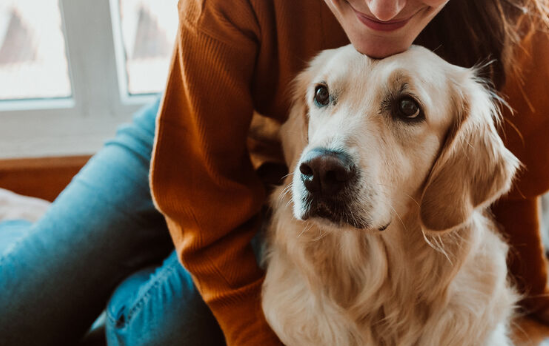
(380,234)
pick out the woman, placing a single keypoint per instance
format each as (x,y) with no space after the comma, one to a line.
(233,58)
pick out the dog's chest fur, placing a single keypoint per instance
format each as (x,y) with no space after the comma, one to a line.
(389,289)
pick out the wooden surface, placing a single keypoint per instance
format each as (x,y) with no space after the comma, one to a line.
(39,177)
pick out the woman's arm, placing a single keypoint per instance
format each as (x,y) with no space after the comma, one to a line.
(201,176)
(526,134)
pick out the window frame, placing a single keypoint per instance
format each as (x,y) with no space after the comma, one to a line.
(99,103)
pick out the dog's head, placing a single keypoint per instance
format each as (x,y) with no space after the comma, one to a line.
(367,139)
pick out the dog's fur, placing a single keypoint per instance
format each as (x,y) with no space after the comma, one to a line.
(437,275)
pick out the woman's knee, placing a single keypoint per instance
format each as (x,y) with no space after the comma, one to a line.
(160,306)
(138,136)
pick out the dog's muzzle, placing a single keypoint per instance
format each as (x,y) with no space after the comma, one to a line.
(326,173)
(329,177)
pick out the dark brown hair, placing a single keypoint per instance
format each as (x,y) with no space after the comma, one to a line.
(471,32)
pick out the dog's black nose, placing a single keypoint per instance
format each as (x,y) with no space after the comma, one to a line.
(326,172)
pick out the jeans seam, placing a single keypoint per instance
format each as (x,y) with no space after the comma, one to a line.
(144,297)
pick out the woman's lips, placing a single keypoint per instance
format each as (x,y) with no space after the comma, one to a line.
(377,25)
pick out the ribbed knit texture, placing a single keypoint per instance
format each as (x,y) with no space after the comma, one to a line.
(526,134)
(231,58)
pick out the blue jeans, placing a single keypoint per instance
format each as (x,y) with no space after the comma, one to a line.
(102,244)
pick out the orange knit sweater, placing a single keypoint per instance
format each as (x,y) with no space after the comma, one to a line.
(236,57)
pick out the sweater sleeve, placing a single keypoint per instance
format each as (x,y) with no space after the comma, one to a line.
(202,179)
(525,134)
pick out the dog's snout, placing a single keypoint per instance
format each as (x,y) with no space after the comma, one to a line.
(326,172)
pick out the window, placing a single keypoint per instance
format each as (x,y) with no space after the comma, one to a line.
(33,63)
(101,61)
(147,29)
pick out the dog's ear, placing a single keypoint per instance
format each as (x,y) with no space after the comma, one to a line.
(473,168)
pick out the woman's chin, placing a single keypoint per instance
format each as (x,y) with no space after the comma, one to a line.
(381,48)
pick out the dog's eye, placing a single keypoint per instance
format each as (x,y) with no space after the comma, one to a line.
(322,96)
(408,109)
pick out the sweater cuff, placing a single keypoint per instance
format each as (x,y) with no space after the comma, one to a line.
(240,316)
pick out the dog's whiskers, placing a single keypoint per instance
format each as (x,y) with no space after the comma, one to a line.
(287,175)
(458,237)
(396,213)
(353,218)
(321,235)
(286,190)
(284,193)
(305,229)
(439,247)
(288,203)
(387,203)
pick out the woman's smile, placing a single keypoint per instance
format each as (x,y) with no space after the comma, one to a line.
(380,28)
(379,25)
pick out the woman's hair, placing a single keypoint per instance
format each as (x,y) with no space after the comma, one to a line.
(472,32)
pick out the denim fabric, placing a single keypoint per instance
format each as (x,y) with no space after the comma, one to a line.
(101,235)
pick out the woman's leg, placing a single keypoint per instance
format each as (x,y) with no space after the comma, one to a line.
(160,306)
(57,274)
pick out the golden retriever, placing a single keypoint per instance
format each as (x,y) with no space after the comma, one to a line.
(379,235)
